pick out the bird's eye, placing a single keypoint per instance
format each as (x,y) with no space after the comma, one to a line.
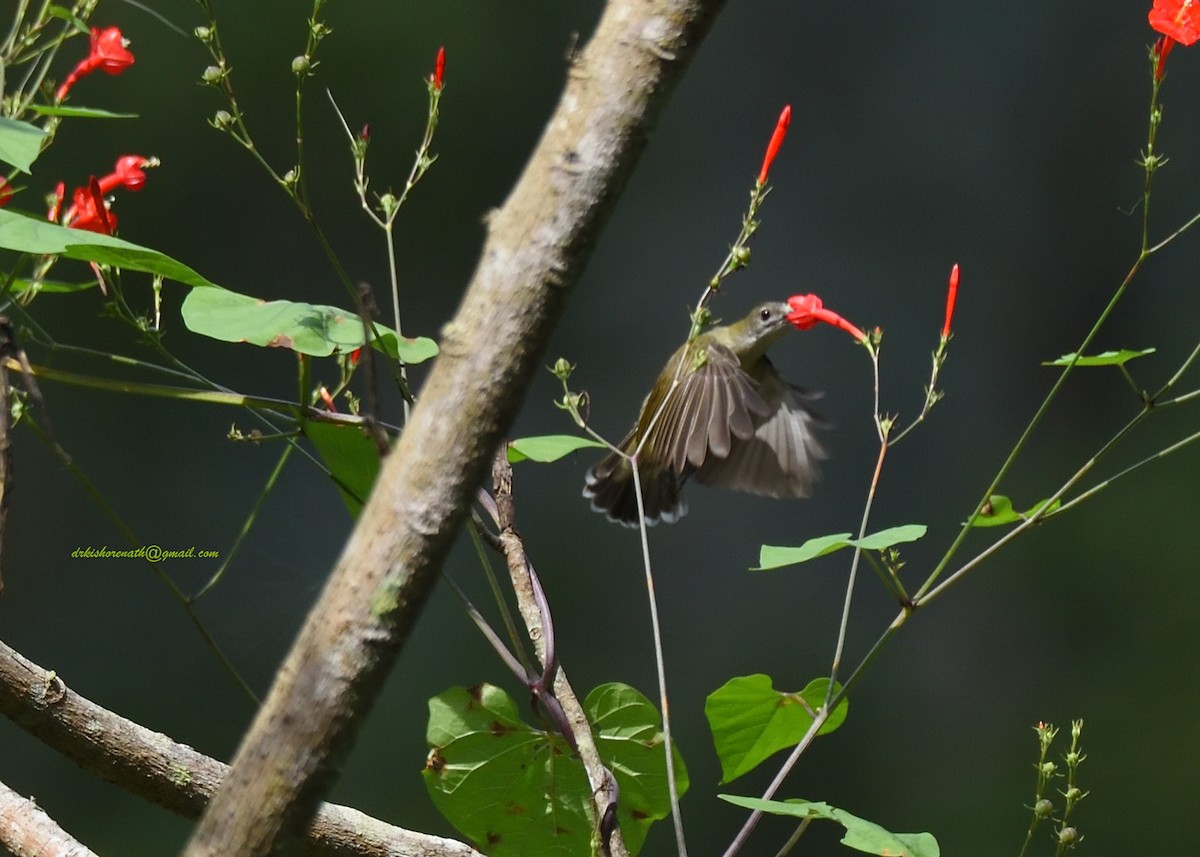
(765,314)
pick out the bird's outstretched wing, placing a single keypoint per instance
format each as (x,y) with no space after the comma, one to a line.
(779,458)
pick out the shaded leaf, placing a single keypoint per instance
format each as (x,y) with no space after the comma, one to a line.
(20,143)
(550,447)
(772,556)
(313,329)
(861,835)
(352,458)
(1107,358)
(999,511)
(50,287)
(31,235)
(750,721)
(517,790)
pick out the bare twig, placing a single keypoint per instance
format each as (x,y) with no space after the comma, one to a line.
(26,830)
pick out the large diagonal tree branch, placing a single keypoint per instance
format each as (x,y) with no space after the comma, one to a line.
(536,247)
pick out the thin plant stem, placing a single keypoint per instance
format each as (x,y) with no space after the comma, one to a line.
(510,625)
(659,663)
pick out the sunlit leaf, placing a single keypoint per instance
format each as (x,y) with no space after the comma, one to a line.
(313,329)
(773,556)
(550,447)
(999,511)
(750,721)
(78,112)
(1107,358)
(20,143)
(25,234)
(861,835)
(518,790)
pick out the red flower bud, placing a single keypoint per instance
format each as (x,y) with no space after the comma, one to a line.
(323,392)
(439,68)
(807,310)
(1161,48)
(951,297)
(56,201)
(6,192)
(785,119)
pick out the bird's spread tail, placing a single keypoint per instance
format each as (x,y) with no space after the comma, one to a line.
(611,488)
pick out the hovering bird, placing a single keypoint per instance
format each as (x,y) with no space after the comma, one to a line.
(718,411)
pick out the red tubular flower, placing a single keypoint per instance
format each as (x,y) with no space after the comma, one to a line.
(88,210)
(355,356)
(128,173)
(951,297)
(6,192)
(439,68)
(109,53)
(807,310)
(785,119)
(1176,19)
(323,392)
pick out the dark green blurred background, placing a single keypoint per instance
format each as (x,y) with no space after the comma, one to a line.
(999,136)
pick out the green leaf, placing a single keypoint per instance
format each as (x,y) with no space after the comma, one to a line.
(772,556)
(1107,358)
(630,742)
(20,143)
(890,537)
(78,112)
(999,511)
(550,447)
(517,790)
(861,835)
(407,349)
(67,15)
(313,329)
(352,458)
(750,721)
(50,287)
(25,234)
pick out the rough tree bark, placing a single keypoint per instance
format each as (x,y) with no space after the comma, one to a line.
(536,248)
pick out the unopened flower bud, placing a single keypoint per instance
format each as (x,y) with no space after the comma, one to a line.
(1068,836)
(204,34)
(1043,808)
(213,74)
(741,256)
(1048,768)
(222,119)
(1073,794)
(562,369)
(301,64)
